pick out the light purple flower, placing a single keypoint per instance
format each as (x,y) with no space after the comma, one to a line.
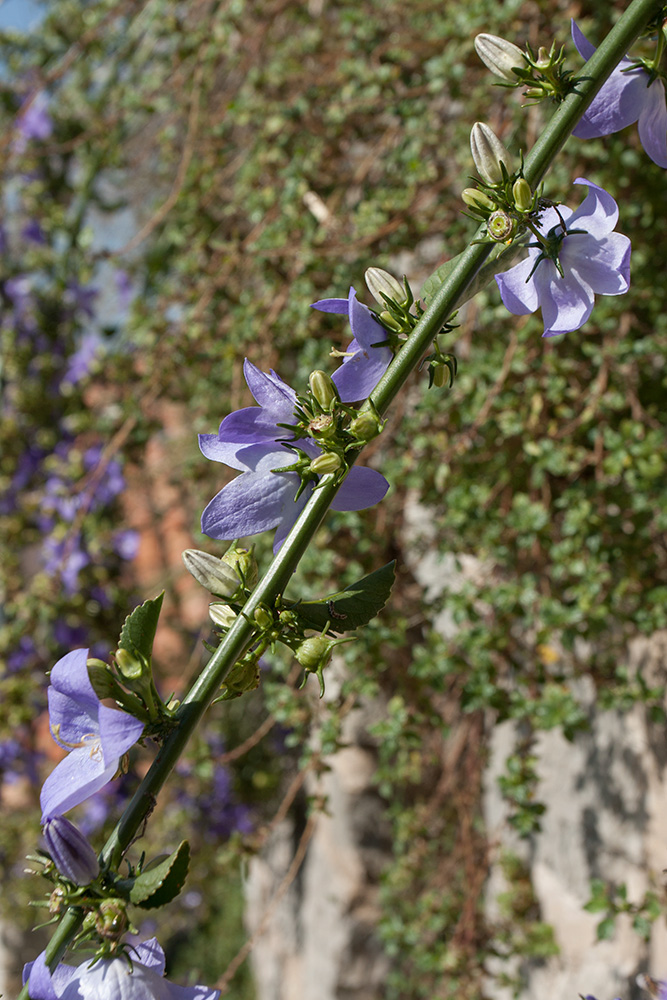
(627,96)
(70,851)
(33,123)
(595,261)
(366,363)
(95,736)
(260,499)
(111,979)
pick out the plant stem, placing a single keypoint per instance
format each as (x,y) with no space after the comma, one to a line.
(441,306)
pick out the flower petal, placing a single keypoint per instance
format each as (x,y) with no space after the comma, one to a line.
(619,101)
(365,328)
(653,124)
(598,212)
(603,264)
(73,780)
(216,450)
(357,376)
(269,390)
(70,722)
(291,510)
(517,288)
(118,732)
(361,488)
(331,305)
(70,676)
(566,302)
(251,503)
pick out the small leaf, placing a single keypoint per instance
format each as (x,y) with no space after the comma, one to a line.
(606,929)
(500,259)
(159,885)
(350,608)
(138,631)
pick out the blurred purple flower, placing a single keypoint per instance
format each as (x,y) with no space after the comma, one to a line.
(95,736)
(628,95)
(124,288)
(593,258)
(33,123)
(33,232)
(126,543)
(80,363)
(360,372)
(260,499)
(111,979)
(80,298)
(65,558)
(23,654)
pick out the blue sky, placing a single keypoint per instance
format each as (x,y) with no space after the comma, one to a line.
(21,14)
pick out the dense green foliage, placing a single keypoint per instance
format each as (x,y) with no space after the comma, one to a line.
(273,151)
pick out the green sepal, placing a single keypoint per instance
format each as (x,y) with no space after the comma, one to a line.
(138,631)
(350,608)
(499,259)
(161,883)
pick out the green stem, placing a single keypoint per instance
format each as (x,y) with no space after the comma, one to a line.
(441,306)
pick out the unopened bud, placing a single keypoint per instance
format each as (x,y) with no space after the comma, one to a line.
(131,667)
(523,196)
(500,226)
(379,281)
(477,200)
(365,427)
(222,614)
(488,153)
(327,462)
(213,574)
(322,389)
(500,56)
(390,321)
(263,616)
(314,654)
(243,562)
(111,921)
(543,60)
(70,851)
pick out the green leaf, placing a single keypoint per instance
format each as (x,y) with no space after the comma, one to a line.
(606,929)
(500,259)
(162,883)
(350,608)
(138,631)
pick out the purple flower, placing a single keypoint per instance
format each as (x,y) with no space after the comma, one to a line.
(627,96)
(70,851)
(260,499)
(80,363)
(593,258)
(111,979)
(96,736)
(366,363)
(33,123)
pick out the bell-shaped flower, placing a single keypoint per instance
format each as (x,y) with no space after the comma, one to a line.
(627,96)
(260,499)
(142,978)
(366,361)
(593,260)
(70,851)
(96,737)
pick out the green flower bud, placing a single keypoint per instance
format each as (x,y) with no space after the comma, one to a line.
(322,389)
(111,922)
(327,462)
(388,320)
(543,60)
(212,572)
(222,614)
(500,227)
(315,653)
(379,281)
(523,196)
(243,562)
(477,200)
(366,426)
(488,153)
(500,56)
(131,667)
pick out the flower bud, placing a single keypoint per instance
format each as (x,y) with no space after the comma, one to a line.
(477,200)
(500,226)
(243,562)
(488,153)
(111,920)
(543,60)
(222,614)
(379,281)
(322,389)
(523,196)
(329,461)
(499,55)
(263,616)
(213,574)
(100,676)
(365,427)
(131,667)
(70,851)
(314,654)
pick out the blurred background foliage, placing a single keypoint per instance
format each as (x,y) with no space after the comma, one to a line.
(180,182)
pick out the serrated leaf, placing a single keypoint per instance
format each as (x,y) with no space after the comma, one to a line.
(159,885)
(350,608)
(138,631)
(500,259)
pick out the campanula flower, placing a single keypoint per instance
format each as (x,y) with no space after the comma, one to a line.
(365,361)
(627,96)
(250,440)
(593,259)
(70,851)
(95,736)
(111,979)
